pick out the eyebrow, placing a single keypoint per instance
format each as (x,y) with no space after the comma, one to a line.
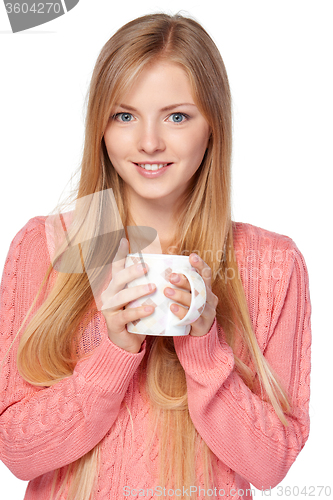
(166,108)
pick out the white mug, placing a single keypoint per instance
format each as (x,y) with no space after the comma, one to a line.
(162,321)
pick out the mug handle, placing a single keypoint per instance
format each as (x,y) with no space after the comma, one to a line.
(198,301)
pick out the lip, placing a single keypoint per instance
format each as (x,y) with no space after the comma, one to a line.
(151,174)
(156,162)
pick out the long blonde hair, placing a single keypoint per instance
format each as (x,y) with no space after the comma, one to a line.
(204,222)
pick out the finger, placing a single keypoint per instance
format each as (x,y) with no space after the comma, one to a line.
(178,311)
(180,296)
(208,313)
(123,276)
(203,269)
(128,315)
(115,302)
(128,274)
(132,315)
(181,311)
(180,281)
(202,325)
(119,259)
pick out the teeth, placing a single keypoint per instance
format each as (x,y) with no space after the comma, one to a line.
(154,166)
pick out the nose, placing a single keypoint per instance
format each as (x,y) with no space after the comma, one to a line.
(150,138)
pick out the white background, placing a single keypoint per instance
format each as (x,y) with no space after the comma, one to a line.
(278,55)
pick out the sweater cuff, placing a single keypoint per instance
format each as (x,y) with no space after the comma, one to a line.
(205,357)
(109,367)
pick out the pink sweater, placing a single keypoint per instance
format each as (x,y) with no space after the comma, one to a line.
(42,429)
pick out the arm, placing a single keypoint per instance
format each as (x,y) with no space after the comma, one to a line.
(240,428)
(42,429)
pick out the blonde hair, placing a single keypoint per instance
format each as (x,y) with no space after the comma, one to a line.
(204,221)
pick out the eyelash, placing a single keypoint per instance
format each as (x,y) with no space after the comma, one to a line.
(114,117)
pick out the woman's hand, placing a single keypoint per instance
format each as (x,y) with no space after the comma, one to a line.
(203,324)
(116,296)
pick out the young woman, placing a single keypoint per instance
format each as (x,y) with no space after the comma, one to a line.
(91,411)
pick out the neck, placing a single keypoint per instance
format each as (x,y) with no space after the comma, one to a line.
(158,215)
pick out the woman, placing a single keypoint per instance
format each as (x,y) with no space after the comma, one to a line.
(89,410)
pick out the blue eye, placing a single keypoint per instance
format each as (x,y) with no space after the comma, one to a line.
(178,117)
(125,117)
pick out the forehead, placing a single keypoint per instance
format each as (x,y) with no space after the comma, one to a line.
(161,81)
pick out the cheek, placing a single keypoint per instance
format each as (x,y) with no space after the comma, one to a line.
(196,144)
(114,142)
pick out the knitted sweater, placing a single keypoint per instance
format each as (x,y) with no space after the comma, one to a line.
(42,429)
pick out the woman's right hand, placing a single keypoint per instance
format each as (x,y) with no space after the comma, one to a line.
(115,297)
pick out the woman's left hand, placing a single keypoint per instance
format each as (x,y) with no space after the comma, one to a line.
(203,324)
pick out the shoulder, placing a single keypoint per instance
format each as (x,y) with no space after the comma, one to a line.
(272,269)
(25,266)
(31,233)
(247,234)
(29,244)
(268,261)
(263,247)
(34,226)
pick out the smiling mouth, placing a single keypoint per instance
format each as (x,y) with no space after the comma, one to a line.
(154,166)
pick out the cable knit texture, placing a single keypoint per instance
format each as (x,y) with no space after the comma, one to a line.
(42,429)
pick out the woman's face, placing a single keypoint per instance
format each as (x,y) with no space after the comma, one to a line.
(157,124)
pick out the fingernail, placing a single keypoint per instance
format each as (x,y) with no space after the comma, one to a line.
(174,277)
(148,308)
(195,258)
(174,308)
(169,291)
(150,287)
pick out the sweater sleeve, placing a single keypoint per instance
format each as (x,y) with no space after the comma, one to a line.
(45,428)
(242,429)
